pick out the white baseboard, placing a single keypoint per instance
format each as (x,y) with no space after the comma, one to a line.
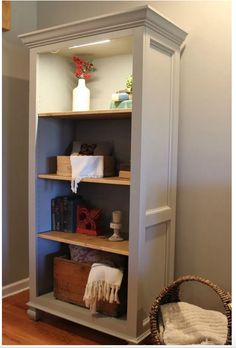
(14,288)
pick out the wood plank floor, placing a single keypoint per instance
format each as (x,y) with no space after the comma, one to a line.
(18,329)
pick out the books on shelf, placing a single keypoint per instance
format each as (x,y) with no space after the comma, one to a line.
(124,171)
(124,174)
(63,213)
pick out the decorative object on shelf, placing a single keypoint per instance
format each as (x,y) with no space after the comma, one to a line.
(103,284)
(81,93)
(116,226)
(63,213)
(125,174)
(77,167)
(85,167)
(124,171)
(103,148)
(125,104)
(87,149)
(70,278)
(122,99)
(90,161)
(129,85)
(87,220)
(81,97)
(119,96)
(82,254)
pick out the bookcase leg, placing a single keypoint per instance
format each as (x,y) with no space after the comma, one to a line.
(34,314)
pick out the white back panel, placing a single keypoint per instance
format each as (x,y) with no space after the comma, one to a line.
(110,76)
(55,83)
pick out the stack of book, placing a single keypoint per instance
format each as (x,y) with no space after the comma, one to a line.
(124,171)
(125,174)
(63,213)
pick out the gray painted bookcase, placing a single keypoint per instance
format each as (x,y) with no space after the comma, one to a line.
(144,43)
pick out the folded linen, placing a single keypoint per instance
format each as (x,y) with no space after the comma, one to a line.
(103,284)
(119,97)
(85,167)
(184,323)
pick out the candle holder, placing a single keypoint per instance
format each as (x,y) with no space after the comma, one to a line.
(116,226)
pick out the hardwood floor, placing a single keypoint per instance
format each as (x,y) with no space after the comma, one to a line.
(18,329)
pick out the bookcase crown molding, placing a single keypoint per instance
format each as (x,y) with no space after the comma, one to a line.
(144,16)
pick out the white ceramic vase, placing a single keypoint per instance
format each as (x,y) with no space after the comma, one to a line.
(81,97)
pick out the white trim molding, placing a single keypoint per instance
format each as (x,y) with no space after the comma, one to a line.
(15,288)
(142,16)
(158,216)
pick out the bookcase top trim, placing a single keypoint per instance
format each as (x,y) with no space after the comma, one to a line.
(144,16)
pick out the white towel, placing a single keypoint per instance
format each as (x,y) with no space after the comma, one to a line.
(103,284)
(185,323)
(85,167)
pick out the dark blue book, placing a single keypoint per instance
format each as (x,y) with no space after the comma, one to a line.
(53,214)
(64,213)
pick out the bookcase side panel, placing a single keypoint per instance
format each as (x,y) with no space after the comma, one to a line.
(136,205)
(157,167)
(32,172)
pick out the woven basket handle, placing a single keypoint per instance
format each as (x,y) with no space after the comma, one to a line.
(171,294)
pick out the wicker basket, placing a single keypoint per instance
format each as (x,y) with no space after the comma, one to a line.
(171,294)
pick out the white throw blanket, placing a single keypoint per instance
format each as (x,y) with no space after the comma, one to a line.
(85,167)
(186,324)
(103,284)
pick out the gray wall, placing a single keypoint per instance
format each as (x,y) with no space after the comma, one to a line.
(203,243)
(15,143)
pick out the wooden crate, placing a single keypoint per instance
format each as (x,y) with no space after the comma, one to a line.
(70,279)
(64,166)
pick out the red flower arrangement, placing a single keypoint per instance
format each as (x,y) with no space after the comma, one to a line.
(83,68)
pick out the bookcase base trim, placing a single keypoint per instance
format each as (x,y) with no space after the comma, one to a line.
(49,304)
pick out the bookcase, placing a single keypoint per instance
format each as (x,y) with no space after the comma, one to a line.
(148,45)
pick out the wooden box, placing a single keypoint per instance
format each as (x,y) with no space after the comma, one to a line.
(70,279)
(64,166)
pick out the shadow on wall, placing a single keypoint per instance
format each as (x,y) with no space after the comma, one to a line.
(15,179)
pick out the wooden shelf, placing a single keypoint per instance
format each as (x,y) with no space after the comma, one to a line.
(92,242)
(90,115)
(114,180)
